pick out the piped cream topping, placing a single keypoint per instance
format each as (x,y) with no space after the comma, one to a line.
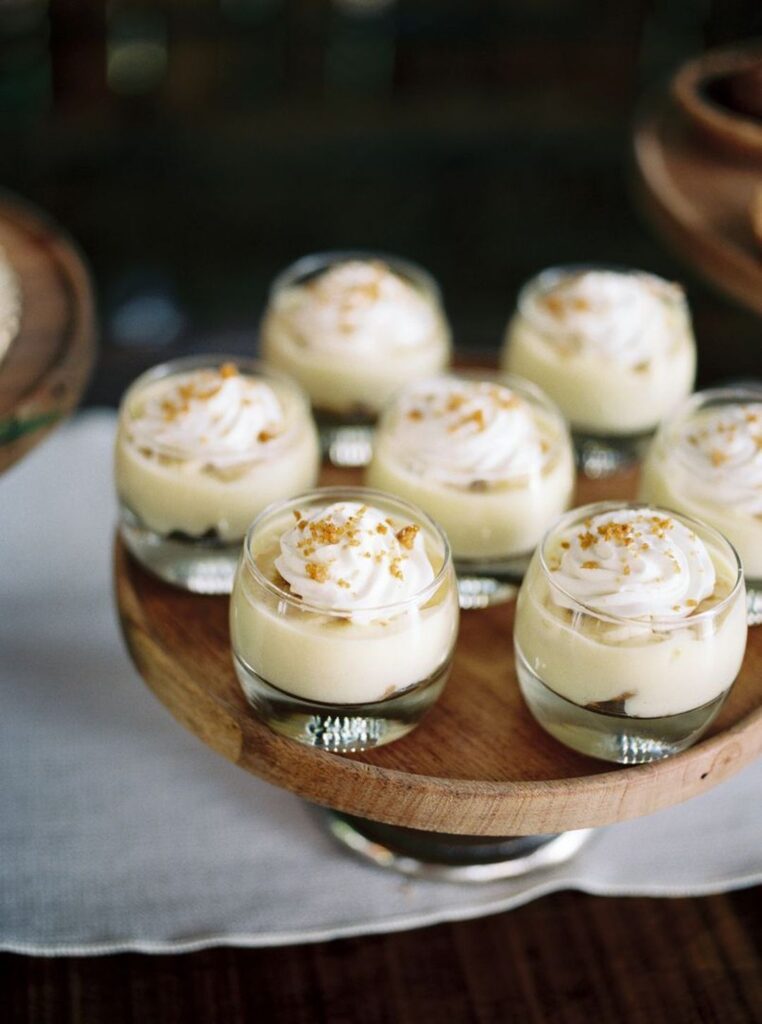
(632,563)
(468,433)
(620,317)
(353,558)
(10,303)
(722,447)
(219,417)
(359,306)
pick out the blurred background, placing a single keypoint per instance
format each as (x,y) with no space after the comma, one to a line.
(195,147)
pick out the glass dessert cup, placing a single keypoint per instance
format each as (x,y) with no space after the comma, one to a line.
(490,458)
(618,687)
(11,303)
(184,506)
(355,343)
(342,678)
(706,462)
(613,385)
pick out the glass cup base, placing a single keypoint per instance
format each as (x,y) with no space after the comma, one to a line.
(754,602)
(610,736)
(346,446)
(602,456)
(202,565)
(340,728)
(452,858)
(482,583)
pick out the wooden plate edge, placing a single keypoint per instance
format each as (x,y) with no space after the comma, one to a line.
(70,371)
(467,807)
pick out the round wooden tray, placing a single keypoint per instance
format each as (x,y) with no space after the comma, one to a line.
(695,90)
(47,366)
(699,199)
(477,765)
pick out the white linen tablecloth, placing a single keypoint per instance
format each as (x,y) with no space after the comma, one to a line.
(120,831)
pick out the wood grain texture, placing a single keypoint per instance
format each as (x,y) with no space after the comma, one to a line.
(47,366)
(564,959)
(478,764)
(729,131)
(699,200)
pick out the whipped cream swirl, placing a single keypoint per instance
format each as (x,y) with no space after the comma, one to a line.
(359,305)
(10,303)
(352,558)
(220,418)
(465,433)
(722,448)
(620,317)
(632,563)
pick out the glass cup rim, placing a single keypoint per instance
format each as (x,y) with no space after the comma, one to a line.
(726,394)
(489,375)
(202,361)
(549,276)
(349,493)
(557,271)
(661,624)
(316,262)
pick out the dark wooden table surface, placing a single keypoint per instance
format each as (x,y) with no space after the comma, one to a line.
(564,959)
(486,146)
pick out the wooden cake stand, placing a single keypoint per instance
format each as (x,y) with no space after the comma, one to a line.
(699,198)
(46,368)
(478,765)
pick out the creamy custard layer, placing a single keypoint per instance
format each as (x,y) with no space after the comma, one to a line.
(664,482)
(490,466)
(647,668)
(10,304)
(340,657)
(615,367)
(709,465)
(354,335)
(214,486)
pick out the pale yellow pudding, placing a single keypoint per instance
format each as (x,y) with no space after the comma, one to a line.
(633,609)
(344,598)
(205,444)
(352,330)
(707,462)
(613,349)
(10,303)
(490,459)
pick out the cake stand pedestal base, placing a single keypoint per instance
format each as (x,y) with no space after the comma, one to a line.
(451,858)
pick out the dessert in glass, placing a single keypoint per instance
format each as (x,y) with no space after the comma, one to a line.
(630,630)
(204,444)
(614,349)
(343,617)
(706,461)
(490,459)
(353,328)
(10,304)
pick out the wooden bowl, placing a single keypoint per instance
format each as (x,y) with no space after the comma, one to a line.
(477,765)
(46,368)
(700,199)
(696,88)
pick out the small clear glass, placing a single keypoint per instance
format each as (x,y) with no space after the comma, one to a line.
(493,526)
(613,409)
(348,384)
(721,485)
(322,678)
(623,689)
(183,517)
